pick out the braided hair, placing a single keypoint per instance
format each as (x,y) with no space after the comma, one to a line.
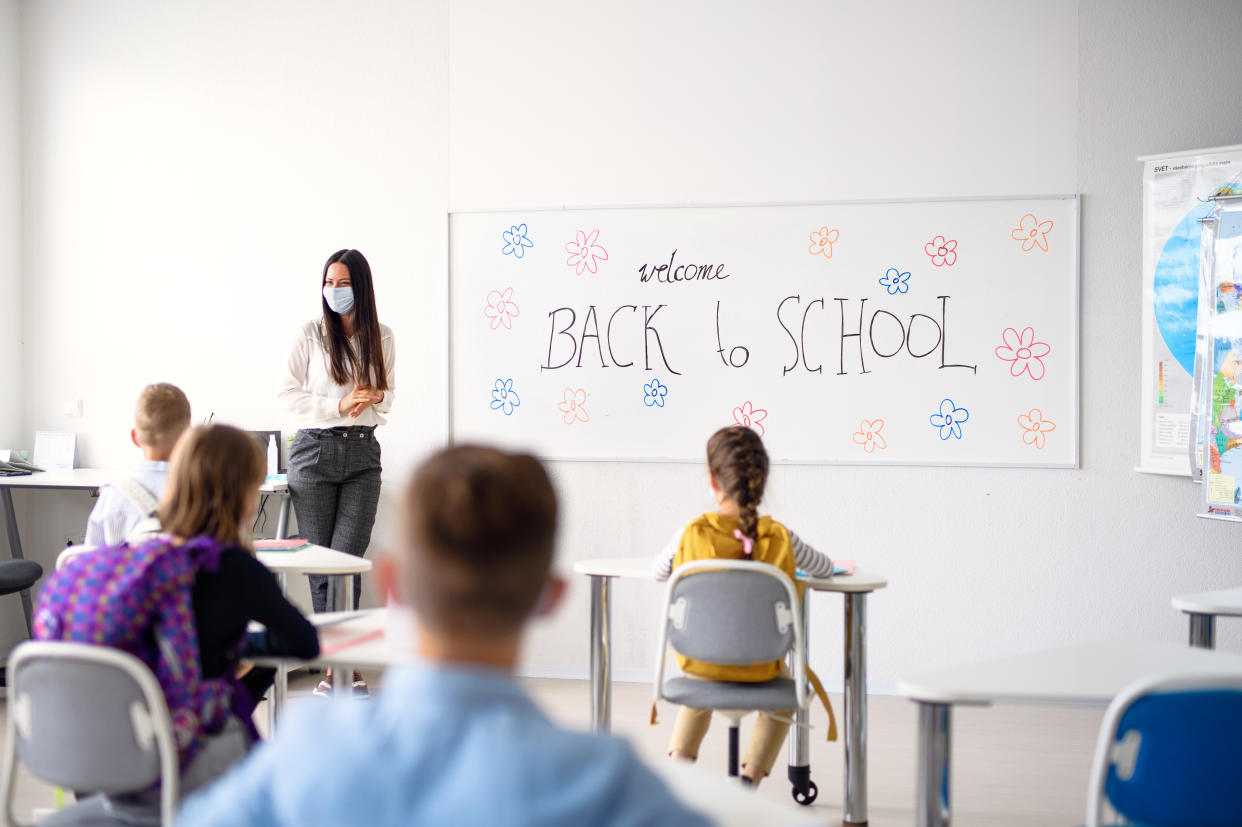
(739,463)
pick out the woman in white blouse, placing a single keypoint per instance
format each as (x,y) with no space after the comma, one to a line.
(339,383)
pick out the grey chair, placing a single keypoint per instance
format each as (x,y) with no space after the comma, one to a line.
(88,718)
(732,612)
(16,577)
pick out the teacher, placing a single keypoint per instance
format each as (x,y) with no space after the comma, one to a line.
(339,383)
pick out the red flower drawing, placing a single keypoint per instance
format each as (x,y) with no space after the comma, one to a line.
(584,253)
(1035,428)
(1023,353)
(943,253)
(1032,233)
(749,416)
(500,308)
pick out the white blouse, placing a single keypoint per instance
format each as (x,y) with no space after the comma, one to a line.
(307,388)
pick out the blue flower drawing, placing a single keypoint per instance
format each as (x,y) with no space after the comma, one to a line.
(654,393)
(896,281)
(516,241)
(504,398)
(950,419)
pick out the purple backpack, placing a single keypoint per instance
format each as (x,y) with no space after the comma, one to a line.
(139,599)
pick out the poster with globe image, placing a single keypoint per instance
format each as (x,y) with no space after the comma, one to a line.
(1177,192)
(1222,392)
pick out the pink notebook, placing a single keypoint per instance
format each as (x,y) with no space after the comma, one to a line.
(281,545)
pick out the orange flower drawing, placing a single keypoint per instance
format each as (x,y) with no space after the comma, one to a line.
(572,406)
(1032,233)
(822,241)
(869,437)
(1035,428)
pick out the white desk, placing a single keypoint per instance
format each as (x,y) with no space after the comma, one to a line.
(854,589)
(311,560)
(1203,607)
(1086,673)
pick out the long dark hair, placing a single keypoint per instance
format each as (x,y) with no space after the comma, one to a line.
(367,367)
(737,459)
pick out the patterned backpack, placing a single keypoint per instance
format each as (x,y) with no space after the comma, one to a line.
(139,599)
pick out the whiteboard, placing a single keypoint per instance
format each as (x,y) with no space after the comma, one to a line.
(910,332)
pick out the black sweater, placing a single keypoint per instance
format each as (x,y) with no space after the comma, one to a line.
(239,591)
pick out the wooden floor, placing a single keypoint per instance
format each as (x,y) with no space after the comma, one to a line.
(1011,765)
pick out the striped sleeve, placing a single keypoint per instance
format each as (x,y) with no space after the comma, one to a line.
(813,563)
(662,565)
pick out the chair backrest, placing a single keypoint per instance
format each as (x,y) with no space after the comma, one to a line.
(88,718)
(1170,753)
(731,616)
(732,612)
(69,552)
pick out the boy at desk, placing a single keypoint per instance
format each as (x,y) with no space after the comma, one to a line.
(451,739)
(160,417)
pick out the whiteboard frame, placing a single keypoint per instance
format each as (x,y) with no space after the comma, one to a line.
(1077,326)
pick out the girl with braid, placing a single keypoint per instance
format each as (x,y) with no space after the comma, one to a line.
(737,466)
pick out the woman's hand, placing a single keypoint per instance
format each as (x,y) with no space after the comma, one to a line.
(359,399)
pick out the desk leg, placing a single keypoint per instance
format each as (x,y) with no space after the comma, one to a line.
(1202,630)
(932,804)
(804,790)
(280,688)
(855,708)
(342,677)
(282,519)
(15,547)
(601,654)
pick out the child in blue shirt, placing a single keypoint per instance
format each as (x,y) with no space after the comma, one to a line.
(160,417)
(452,739)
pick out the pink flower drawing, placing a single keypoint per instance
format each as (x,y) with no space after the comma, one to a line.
(500,308)
(869,437)
(748,416)
(1035,428)
(1032,233)
(822,241)
(584,253)
(943,253)
(572,406)
(1023,353)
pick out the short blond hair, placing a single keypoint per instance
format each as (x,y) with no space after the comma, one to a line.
(160,416)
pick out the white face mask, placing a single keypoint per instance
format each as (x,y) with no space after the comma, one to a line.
(340,299)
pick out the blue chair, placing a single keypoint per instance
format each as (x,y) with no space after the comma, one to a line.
(1170,754)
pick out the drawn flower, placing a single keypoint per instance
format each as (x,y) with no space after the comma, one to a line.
(504,398)
(942,252)
(869,437)
(584,253)
(1032,232)
(749,416)
(822,241)
(896,281)
(654,393)
(572,406)
(950,419)
(1035,428)
(500,308)
(1023,353)
(516,241)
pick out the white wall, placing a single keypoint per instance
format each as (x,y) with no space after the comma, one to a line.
(218,174)
(10,229)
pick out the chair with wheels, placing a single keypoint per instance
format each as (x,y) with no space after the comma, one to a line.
(88,718)
(16,577)
(1170,753)
(734,613)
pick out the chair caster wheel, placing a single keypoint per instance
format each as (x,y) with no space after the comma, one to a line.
(808,796)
